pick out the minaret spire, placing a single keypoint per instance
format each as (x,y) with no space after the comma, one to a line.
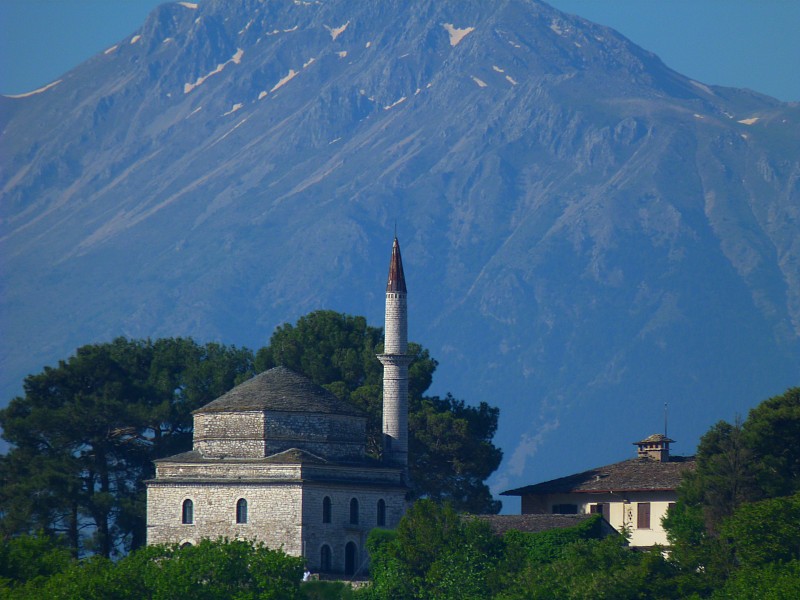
(395,361)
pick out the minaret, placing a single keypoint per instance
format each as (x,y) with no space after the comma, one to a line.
(395,361)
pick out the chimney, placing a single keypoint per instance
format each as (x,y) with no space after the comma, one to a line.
(654,447)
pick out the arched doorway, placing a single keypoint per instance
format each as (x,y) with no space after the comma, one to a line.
(350,555)
(325,558)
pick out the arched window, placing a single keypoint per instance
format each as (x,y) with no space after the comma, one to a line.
(187,514)
(326,510)
(241,511)
(350,555)
(381,513)
(325,558)
(354,512)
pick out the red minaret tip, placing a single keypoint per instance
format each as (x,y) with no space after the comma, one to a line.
(397,280)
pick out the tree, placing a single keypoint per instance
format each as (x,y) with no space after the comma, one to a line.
(450,443)
(725,474)
(213,570)
(772,432)
(30,558)
(434,553)
(86,432)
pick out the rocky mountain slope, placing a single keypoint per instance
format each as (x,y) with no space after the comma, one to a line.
(587,234)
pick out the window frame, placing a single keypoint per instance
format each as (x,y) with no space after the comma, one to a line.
(643,515)
(381,513)
(354,509)
(241,511)
(187,512)
(327,510)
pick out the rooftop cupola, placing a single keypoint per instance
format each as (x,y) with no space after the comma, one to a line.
(654,447)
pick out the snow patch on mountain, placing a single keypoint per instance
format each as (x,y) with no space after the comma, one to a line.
(236,59)
(34,92)
(395,103)
(192,5)
(498,69)
(456,34)
(511,80)
(337,31)
(284,80)
(135,39)
(309,62)
(702,86)
(342,54)
(480,82)
(233,109)
(750,121)
(110,50)
(230,131)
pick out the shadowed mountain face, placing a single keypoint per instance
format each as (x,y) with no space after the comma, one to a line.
(586,233)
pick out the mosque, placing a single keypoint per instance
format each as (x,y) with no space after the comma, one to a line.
(280,460)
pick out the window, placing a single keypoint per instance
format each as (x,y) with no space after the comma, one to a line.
(381,513)
(325,558)
(354,512)
(565,509)
(187,514)
(350,555)
(241,511)
(326,510)
(643,515)
(601,508)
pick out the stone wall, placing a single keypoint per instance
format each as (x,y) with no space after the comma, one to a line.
(340,530)
(260,434)
(230,434)
(280,515)
(274,513)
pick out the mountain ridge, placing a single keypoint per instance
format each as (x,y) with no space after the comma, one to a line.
(557,188)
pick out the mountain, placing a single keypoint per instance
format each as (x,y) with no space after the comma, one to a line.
(587,234)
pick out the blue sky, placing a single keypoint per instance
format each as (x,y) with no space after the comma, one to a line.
(741,43)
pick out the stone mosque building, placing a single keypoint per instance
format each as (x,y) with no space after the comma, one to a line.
(280,460)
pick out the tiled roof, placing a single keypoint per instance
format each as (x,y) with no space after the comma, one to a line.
(652,439)
(397,279)
(533,523)
(280,389)
(636,474)
(290,456)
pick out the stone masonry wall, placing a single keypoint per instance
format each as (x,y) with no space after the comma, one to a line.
(238,434)
(260,434)
(274,513)
(340,531)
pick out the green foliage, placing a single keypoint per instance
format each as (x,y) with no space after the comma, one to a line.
(764,532)
(212,570)
(86,432)
(450,444)
(32,558)
(771,581)
(721,534)
(435,553)
(772,430)
(326,590)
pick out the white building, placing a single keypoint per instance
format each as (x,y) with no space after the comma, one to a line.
(281,460)
(634,494)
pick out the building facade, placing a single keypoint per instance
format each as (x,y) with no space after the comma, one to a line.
(632,495)
(280,460)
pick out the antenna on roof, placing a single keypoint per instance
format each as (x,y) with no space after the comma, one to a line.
(395,228)
(665,419)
